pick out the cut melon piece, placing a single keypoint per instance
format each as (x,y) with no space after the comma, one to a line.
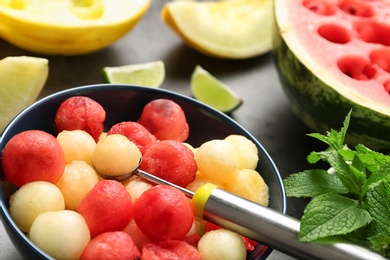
(22,79)
(234,29)
(334,56)
(68,27)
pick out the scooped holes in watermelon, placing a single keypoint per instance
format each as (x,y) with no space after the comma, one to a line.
(356,8)
(381,57)
(387,86)
(320,7)
(356,67)
(334,33)
(373,32)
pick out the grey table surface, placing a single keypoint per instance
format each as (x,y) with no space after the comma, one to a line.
(266,112)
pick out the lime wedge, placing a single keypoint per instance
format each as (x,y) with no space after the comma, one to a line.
(234,29)
(150,74)
(22,79)
(211,91)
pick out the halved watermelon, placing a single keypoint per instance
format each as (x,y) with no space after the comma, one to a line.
(333,56)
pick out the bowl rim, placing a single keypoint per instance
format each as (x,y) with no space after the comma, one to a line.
(80,90)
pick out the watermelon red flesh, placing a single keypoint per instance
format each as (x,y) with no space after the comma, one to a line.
(333,56)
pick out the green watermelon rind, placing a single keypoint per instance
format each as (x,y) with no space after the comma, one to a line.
(320,106)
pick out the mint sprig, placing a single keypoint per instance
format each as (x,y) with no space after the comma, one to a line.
(351,200)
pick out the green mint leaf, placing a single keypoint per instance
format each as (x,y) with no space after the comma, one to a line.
(335,139)
(358,171)
(343,131)
(359,179)
(358,164)
(381,244)
(312,183)
(377,165)
(360,236)
(347,154)
(330,215)
(348,174)
(378,200)
(322,138)
(313,158)
(380,174)
(371,159)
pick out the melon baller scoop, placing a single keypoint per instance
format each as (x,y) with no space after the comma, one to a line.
(262,224)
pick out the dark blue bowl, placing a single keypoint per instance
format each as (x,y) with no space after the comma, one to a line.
(125,103)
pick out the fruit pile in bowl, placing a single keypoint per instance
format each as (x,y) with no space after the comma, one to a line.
(333,56)
(113,213)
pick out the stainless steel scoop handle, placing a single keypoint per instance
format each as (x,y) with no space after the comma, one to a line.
(274,229)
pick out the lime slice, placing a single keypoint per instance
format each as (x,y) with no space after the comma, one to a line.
(211,91)
(22,79)
(233,29)
(150,74)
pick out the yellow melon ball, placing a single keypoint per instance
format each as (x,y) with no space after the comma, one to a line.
(250,185)
(218,160)
(76,181)
(62,234)
(221,244)
(199,181)
(136,186)
(77,145)
(248,153)
(33,199)
(193,149)
(102,135)
(116,155)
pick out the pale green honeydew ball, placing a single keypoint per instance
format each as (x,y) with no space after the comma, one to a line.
(33,199)
(61,234)
(221,244)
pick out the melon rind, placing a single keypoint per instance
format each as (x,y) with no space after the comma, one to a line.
(322,102)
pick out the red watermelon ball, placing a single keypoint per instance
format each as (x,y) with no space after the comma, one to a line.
(172,161)
(116,245)
(170,249)
(106,207)
(165,119)
(33,155)
(163,213)
(136,133)
(80,113)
